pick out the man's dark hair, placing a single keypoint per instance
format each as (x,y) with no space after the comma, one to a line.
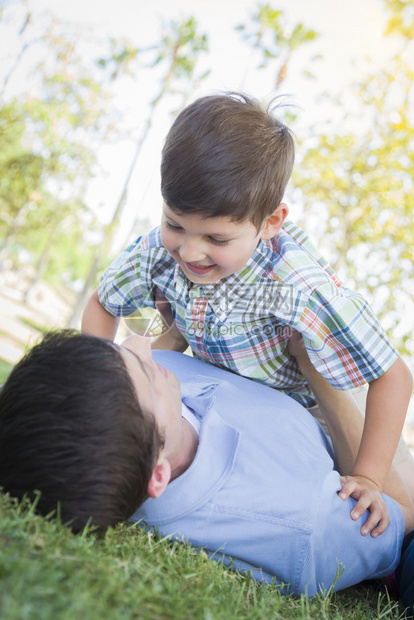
(71,427)
(226,155)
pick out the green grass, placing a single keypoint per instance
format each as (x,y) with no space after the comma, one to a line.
(46,572)
(5,368)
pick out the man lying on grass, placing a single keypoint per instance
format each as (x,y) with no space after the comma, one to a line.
(109,434)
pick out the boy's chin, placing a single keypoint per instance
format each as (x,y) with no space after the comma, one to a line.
(201,281)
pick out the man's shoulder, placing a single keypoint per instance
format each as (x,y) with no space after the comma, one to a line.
(240,401)
(259,443)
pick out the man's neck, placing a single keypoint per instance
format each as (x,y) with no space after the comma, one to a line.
(188,452)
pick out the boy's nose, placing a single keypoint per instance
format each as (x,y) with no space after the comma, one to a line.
(191,250)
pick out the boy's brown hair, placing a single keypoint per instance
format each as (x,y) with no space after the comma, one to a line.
(226,155)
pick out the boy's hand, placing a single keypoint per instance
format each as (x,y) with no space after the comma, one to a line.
(296,346)
(368,497)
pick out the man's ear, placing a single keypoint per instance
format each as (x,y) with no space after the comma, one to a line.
(160,477)
(274,222)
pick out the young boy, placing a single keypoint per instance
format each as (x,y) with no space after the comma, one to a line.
(239,278)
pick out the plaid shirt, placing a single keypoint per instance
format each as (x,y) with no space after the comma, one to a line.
(244,321)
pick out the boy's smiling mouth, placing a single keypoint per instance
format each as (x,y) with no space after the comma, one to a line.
(199,269)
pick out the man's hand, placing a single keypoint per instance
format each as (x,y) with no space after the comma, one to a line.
(368,497)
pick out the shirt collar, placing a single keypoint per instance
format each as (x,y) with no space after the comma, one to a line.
(212,465)
(199,396)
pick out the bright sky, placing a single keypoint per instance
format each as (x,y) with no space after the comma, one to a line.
(349,31)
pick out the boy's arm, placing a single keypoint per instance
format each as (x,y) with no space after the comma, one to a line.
(97,321)
(345,423)
(172,339)
(387,403)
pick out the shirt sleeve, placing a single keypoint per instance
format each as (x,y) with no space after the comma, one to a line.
(349,558)
(344,338)
(126,284)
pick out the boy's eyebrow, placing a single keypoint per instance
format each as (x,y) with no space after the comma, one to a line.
(170,216)
(209,234)
(226,236)
(220,235)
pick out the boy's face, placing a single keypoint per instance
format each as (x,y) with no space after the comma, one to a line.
(207,249)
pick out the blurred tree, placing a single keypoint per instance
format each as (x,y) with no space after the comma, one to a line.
(47,133)
(401,21)
(276,39)
(357,188)
(178,51)
(62,247)
(17,191)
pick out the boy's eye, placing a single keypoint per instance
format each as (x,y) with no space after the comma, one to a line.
(171,226)
(218,242)
(211,239)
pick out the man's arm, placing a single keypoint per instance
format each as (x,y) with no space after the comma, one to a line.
(97,321)
(345,423)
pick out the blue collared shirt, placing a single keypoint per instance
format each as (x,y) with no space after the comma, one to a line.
(261,494)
